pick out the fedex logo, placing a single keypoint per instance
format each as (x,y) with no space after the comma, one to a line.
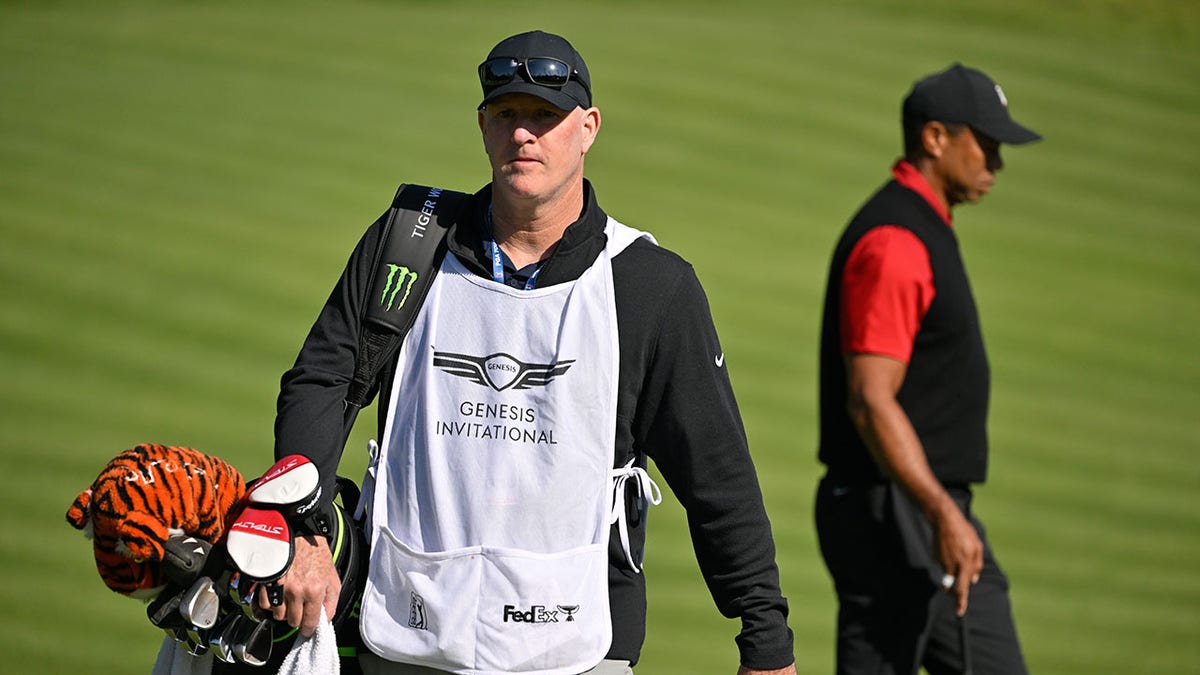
(539,613)
(535,614)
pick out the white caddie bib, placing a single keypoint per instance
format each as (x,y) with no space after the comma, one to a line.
(489,534)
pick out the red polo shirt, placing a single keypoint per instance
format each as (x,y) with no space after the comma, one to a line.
(887,284)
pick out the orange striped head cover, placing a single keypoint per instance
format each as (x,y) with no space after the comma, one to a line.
(142,497)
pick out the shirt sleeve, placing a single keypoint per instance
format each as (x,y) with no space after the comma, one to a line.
(693,430)
(310,408)
(887,286)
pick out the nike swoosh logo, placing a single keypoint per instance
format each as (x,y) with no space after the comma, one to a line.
(720,360)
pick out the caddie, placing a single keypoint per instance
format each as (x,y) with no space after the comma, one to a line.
(556,351)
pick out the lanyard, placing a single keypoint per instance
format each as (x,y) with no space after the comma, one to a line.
(498,259)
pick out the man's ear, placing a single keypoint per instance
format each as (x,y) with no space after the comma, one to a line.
(591,127)
(934,138)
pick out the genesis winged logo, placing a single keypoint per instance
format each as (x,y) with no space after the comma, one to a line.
(399,277)
(500,371)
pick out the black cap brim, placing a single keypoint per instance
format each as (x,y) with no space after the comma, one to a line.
(554,97)
(1007,131)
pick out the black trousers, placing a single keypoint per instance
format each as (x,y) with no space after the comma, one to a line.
(893,618)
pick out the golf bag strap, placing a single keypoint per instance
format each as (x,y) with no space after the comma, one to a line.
(410,252)
(411,248)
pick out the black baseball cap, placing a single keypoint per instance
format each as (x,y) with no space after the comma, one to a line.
(537,44)
(966,96)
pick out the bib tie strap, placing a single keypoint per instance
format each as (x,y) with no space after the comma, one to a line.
(647,494)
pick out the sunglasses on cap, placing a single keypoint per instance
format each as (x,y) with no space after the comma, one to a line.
(542,70)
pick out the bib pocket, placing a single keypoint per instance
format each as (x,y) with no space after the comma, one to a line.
(544,613)
(411,599)
(486,610)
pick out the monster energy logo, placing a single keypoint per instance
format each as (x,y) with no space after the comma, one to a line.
(398,277)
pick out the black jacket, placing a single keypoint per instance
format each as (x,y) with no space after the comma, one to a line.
(675,405)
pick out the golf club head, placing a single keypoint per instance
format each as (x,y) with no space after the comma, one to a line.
(163,611)
(194,640)
(243,592)
(260,544)
(252,644)
(200,604)
(222,635)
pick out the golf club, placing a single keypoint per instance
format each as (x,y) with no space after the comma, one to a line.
(252,644)
(222,635)
(200,604)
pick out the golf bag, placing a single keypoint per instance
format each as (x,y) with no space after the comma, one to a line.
(183,529)
(210,603)
(411,249)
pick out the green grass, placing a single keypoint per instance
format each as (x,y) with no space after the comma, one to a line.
(181,183)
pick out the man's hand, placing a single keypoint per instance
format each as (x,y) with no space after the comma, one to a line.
(873,382)
(960,551)
(790,670)
(309,585)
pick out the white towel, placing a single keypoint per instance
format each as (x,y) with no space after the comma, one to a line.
(316,655)
(173,659)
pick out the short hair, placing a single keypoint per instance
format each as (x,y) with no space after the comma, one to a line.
(913,147)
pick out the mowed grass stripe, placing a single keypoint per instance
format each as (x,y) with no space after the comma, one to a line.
(249,147)
(249,101)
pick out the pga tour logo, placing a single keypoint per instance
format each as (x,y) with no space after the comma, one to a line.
(539,614)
